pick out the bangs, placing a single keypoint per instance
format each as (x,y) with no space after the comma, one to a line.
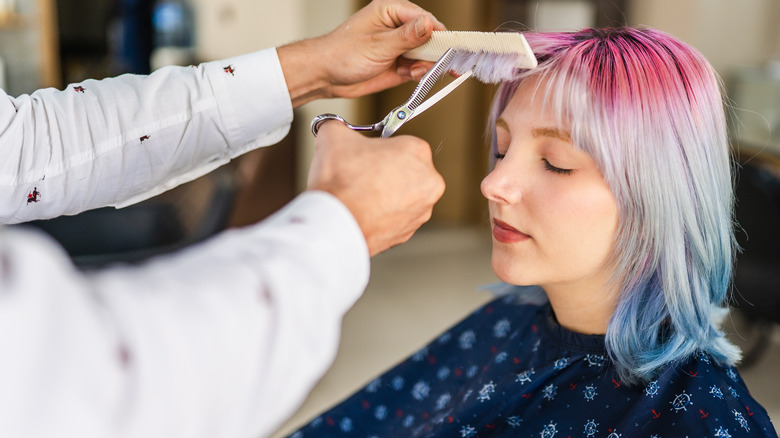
(563,86)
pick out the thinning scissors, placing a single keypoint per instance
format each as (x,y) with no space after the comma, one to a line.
(409,109)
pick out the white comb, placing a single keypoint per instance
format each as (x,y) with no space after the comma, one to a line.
(493,56)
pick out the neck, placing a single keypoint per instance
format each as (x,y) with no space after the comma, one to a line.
(582,309)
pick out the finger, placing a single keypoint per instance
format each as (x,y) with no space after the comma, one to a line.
(441,187)
(327,131)
(383,81)
(403,67)
(412,69)
(415,70)
(431,189)
(404,71)
(402,13)
(410,35)
(419,69)
(418,147)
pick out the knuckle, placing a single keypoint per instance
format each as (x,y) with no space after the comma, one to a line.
(418,147)
(441,186)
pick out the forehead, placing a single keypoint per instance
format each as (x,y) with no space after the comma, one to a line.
(532,106)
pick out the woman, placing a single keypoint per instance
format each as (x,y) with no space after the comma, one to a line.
(610,190)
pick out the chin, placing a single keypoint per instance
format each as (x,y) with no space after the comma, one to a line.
(509,270)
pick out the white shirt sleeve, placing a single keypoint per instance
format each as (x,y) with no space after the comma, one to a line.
(121,140)
(224,339)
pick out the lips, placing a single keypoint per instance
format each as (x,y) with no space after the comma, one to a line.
(505,233)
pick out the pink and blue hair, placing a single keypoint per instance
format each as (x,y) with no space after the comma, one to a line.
(649,110)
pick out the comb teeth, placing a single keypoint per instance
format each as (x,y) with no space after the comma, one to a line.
(493,56)
(424,87)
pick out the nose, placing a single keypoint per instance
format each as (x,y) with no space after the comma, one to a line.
(497,186)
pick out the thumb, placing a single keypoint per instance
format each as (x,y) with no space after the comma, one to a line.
(327,133)
(411,35)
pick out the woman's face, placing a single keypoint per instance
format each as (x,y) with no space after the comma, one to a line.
(553,216)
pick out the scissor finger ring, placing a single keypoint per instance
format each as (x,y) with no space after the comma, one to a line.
(322,118)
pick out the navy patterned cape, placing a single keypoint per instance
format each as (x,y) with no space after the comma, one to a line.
(509,370)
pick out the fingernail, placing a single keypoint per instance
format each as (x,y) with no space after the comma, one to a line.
(418,72)
(420,27)
(403,71)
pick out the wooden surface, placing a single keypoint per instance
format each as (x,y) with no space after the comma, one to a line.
(46,24)
(29,46)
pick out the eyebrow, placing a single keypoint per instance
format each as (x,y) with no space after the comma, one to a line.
(540,132)
(551,132)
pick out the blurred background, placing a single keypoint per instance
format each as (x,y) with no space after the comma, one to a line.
(426,285)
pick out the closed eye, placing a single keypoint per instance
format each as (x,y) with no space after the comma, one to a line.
(557,170)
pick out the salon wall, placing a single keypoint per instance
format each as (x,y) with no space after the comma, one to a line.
(742,41)
(229,28)
(729,33)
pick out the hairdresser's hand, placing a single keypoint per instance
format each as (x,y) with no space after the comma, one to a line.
(389,185)
(362,55)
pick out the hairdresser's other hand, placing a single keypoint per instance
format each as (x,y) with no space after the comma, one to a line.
(389,185)
(365,48)
(361,56)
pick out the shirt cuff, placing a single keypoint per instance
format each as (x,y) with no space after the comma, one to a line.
(253,100)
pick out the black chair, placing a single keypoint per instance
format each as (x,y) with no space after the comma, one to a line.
(757,272)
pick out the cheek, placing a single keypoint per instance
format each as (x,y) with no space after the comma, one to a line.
(573,228)
(589,221)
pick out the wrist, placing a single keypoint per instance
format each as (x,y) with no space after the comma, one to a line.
(303,65)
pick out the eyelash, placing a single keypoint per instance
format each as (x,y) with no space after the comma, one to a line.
(557,170)
(547,165)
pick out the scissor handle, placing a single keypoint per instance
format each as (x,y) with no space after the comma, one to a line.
(408,110)
(322,118)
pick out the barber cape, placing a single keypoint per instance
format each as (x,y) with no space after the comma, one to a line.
(510,370)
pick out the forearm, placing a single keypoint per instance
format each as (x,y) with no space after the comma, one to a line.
(121,140)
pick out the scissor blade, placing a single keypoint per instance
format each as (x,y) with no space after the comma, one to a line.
(431,101)
(429,80)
